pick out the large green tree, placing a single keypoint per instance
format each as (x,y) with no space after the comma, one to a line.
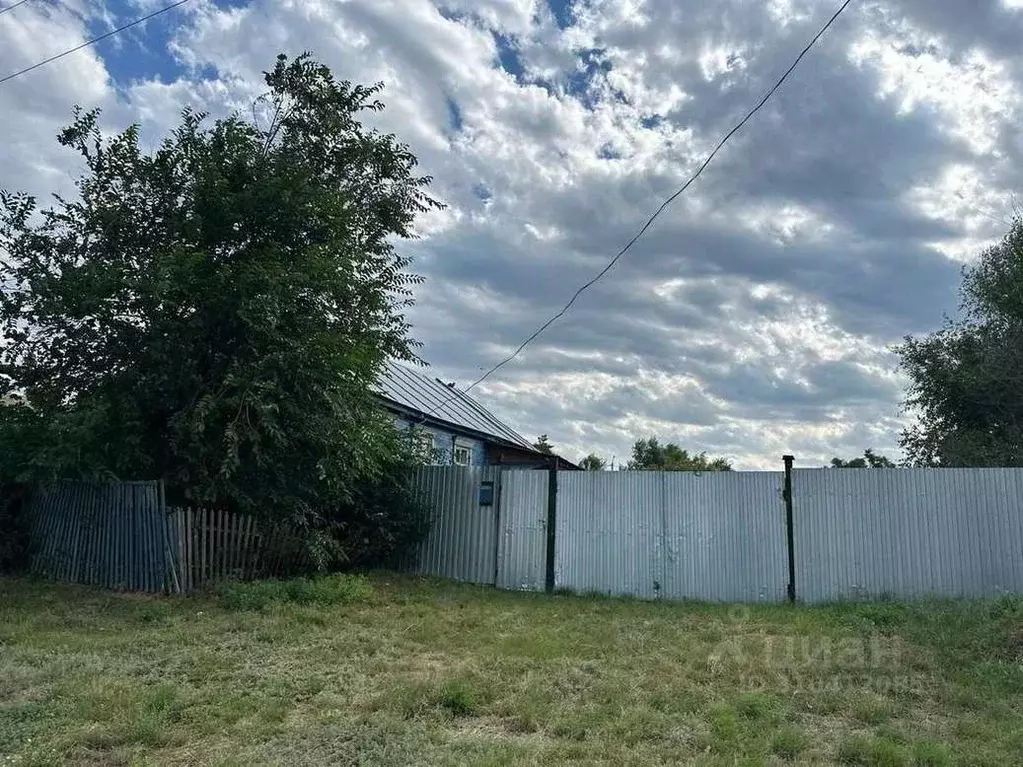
(214,312)
(965,379)
(651,455)
(593,462)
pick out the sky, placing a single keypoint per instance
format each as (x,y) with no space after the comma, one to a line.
(754,319)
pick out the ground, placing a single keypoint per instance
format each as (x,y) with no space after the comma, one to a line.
(401,671)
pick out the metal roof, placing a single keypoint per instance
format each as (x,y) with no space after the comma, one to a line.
(422,393)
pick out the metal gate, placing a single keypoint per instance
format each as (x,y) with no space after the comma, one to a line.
(522,548)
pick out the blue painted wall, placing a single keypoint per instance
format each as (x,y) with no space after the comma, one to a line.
(443,442)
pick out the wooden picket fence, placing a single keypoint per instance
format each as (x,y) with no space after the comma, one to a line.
(214,544)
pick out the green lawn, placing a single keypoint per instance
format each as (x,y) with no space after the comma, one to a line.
(410,671)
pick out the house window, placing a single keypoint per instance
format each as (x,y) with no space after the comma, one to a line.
(462,455)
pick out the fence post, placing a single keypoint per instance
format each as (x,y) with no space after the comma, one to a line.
(789,536)
(498,476)
(552,520)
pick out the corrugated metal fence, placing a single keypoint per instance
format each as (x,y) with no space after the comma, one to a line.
(857,533)
(112,535)
(462,543)
(904,533)
(717,536)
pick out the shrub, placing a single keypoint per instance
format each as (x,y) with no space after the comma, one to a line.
(14,533)
(379,527)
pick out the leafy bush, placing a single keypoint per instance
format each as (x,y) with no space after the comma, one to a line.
(382,523)
(337,589)
(14,534)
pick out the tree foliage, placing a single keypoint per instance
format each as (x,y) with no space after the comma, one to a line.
(593,462)
(869,460)
(214,312)
(544,445)
(651,455)
(965,379)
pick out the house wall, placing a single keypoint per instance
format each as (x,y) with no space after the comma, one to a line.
(443,442)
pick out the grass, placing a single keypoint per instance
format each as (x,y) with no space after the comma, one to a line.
(396,670)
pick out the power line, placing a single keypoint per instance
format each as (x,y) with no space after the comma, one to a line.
(656,213)
(87,43)
(12,7)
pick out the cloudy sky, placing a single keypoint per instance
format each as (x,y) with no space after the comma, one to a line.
(754,318)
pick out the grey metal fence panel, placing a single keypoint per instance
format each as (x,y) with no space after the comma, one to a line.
(107,534)
(867,533)
(724,536)
(522,548)
(609,532)
(462,544)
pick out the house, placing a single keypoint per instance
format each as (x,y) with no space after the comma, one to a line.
(454,427)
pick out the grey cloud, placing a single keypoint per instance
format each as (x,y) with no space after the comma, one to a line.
(827,143)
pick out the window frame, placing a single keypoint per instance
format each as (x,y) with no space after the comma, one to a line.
(461,444)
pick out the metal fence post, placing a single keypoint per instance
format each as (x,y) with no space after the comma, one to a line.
(789,535)
(552,520)
(498,476)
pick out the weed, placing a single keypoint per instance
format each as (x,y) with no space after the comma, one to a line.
(457,696)
(930,754)
(756,707)
(854,749)
(789,742)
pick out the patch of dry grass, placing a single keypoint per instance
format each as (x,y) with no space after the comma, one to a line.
(432,673)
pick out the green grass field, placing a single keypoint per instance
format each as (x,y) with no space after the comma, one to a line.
(403,671)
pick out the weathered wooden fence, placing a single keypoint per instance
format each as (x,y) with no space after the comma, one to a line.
(122,536)
(213,544)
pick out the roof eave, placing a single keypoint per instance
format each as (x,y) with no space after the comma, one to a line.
(455,427)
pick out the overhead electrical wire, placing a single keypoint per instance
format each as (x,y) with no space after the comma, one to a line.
(94,40)
(610,264)
(12,7)
(554,318)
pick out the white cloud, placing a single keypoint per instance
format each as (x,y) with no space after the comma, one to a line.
(753,318)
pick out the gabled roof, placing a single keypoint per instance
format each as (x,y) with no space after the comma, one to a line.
(421,393)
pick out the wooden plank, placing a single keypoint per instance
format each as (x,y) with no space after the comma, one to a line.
(223,544)
(250,546)
(189,539)
(179,518)
(203,540)
(233,549)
